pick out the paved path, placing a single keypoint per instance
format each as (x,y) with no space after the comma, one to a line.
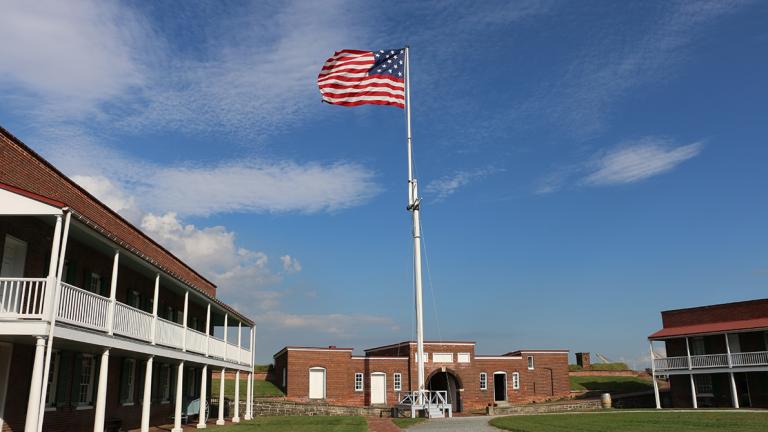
(456,424)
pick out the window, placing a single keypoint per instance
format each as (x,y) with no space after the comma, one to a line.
(128,381)
(530,362)
(165,383)
(483,381)
(193,324)
(697,346)
(463,358)
(53,373)
(703,384)
(398,380)
(134,299)
(169,313)
(515,381)
(442,358)
(85,380)
(94,285)
(358,382)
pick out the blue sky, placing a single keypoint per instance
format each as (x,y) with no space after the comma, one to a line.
(584,165)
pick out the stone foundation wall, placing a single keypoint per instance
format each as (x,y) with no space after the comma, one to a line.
(545,408)
(271,407)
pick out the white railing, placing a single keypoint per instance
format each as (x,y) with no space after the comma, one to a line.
(216,347)
(233,352)
(132,322)
(84,308)
(759,358)
(430,400)
(709,361)
(169,333)
(22,297)
(196,341)
(671,363)
(245,356)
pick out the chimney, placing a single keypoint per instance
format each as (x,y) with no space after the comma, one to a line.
(582,359)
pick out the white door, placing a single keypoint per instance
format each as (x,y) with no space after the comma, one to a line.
(378,388)
(317,383)
(14,257)
(5,366)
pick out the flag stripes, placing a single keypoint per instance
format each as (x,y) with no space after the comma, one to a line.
(353,77)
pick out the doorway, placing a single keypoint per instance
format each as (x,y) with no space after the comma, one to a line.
(14,257)
(450,384)
(499,386)
(317,383)
(378,388)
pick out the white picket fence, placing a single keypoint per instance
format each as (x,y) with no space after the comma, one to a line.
(22,298)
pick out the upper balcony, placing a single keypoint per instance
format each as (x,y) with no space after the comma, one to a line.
(713,353)
(712,361)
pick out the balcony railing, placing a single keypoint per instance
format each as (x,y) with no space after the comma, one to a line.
(132,322)
(22,298)
(83,308)
(25,298)
(742,359)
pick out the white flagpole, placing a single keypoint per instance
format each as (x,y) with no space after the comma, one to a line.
(413,207)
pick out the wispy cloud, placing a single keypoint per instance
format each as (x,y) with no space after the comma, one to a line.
(628,162)
(340,325)
(639,160)
(448,185)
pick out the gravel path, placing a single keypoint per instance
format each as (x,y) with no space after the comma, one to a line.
(456,424)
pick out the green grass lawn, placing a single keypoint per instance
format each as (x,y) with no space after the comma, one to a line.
(638,422)
(403,423)
(613,385)
(260,389)
(299,424)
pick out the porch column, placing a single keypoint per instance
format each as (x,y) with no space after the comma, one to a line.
(693,393)
(220,420)
(186,312)
(249,397)
(179,394)
(203,397)
(147,400)
(35,387)
(154,307)
(112,293)
(734,392)
(51,282)
(208,330)
(236,417)
(101,393)
(226,318)
(653,376)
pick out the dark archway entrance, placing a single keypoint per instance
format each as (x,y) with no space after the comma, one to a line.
(448,382)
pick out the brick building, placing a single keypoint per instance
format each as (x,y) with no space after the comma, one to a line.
(472,381)
(99,323)
(714,356)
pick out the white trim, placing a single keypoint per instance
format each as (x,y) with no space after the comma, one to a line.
(378,358)
(464,354)
(506,386)
(361,382)
(483,381)
(441,355)
(530,362)
(545,352)
(397,381)
(279,353)
(515,380)
(16,204)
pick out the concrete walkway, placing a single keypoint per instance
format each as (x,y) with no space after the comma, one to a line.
(456,424)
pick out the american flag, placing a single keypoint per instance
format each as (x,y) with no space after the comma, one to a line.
(353,77)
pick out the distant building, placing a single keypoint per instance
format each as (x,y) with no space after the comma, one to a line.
(384,373)
(716,356)
(128,328)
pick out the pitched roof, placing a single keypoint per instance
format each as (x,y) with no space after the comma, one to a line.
(716,327)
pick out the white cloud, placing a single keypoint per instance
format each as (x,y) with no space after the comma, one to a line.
(341,325)
(639,160)
(111,195)
(447,185)
(72,54)
(290,264)
(629,162)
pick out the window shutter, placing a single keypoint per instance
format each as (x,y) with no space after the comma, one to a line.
(103,287)
(76,371)
(139,380)
(65,373)
(124,381)
(172,390)
(95,388)
(155,396)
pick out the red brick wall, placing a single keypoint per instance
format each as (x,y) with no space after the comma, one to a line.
(24,169)
(548,380)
